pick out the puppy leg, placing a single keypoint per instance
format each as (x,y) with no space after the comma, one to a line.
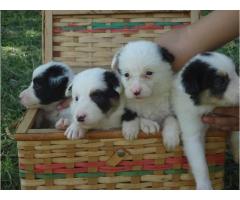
(194,150)
(193,136)
(171,133)
(130,124)
(62,124)
(74,131)
(148,126)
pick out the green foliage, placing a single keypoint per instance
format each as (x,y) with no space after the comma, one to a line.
(20,53)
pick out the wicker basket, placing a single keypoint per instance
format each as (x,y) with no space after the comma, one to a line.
(104,160)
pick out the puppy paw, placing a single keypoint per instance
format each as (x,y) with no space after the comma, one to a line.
(62,124)
(205,186)
(130,129)
(171,133)
(148,126)
(170,140)
(74,132)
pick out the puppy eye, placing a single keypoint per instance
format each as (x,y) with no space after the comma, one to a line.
(126,75)
(76,98)
(149,73)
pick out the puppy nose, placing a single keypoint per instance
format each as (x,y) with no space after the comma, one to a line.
(81,118)
(137,92)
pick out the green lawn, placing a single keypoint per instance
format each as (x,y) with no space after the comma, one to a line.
(21,53)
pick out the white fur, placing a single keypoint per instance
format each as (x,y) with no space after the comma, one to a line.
(153,103)
(189,115)
(48,115)
(83,84)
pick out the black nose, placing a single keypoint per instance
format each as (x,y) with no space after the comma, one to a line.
(137,93)
(81,118)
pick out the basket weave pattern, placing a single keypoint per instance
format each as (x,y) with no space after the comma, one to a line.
(83,164)
(91,40)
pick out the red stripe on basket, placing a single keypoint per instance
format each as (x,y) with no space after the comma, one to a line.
(124,30)
(70,171)
(157,167)
(114,169)
(185,166)
(72,24)
(49,166)
(176,160)
(150,27)
(179,26)
(90,164)
(136,163)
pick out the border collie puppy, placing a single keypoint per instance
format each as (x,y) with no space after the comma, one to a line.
(145,71)
(97,102)
(46,91)
(206,81)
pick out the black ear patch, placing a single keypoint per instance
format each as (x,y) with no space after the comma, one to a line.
(166,55)
(199,76)
(108,98)
(50,86)
(111,80)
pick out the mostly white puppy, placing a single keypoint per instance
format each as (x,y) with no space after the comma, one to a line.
(46,91)
(97,102)
(206,81)
(145,71)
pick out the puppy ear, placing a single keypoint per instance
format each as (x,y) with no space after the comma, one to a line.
(68,92)
(112,81)
(166,55)
(115,60)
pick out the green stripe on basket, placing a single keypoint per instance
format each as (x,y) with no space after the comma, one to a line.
(50,176)
(74,28)
(215,168)
(134,173)
(89,175)
(168,23)
(116,25)
(175,171)
(23,173)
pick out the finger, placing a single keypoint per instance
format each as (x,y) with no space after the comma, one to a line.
(226,123)
(230,111)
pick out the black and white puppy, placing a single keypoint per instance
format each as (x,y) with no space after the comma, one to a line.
(97,102)
(206,81)
(146,74)
(46,90)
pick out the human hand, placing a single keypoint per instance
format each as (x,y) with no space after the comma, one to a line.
(223,118)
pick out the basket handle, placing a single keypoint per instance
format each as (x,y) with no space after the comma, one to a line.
(27,120)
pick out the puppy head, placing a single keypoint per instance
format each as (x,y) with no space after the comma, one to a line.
(49,82)
(210,79)
(95,93)
(142,66)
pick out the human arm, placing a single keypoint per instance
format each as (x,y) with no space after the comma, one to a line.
(209,33)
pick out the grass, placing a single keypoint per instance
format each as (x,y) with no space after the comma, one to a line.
(21,53)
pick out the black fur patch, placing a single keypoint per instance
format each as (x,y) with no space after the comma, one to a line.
(128,115)
(48,91)
(199,76)
(111,79)
(166,55)
(206,53)
(106,99)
